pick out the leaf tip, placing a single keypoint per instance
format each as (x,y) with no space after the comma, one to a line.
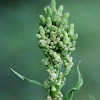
(20,76)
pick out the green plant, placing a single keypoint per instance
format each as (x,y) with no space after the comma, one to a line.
(57,40)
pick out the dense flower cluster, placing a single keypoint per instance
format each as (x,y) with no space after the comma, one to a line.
(57,41)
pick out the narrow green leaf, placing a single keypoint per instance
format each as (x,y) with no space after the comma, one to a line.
(24,78)
(71,72)
(69,94)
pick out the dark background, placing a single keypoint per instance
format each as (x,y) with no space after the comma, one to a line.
(19,49)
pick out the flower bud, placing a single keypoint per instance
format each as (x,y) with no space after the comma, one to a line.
(49,22)
(71,30)
(53,4)
(73,43)
(48,41)
(66,15)
(50,48)
(64,23)
(65,38)
(75,36)
(49,13)
(52,36)
(70,44)
(38,36)
(58,96)
(47,47)
(44,37)
(51,51)
(59,82)
(42,20)
(49,98)
(56,66)
(64,52)
(61,27)
(60,10)
(42,43)
(45,10)
(61,44)
(58,39)
(54,15)
(47,31)
(66,49)
(57,48)
(53,47)
(66,65)
(55,42)
(42,32)
(45,61)
(53,28)
(71,49)
(53,88)
(64,61)
(55,54)
(58,22)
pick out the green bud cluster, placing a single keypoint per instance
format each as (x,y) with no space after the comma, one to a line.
(57,40)
(49,97)
(58,96)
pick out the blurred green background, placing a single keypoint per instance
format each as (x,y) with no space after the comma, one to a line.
(19,49)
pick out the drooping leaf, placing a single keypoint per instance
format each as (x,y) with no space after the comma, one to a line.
(24,78)
(69,94)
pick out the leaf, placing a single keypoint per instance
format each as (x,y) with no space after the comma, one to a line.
(69,94)
(71,72)
(24,78)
